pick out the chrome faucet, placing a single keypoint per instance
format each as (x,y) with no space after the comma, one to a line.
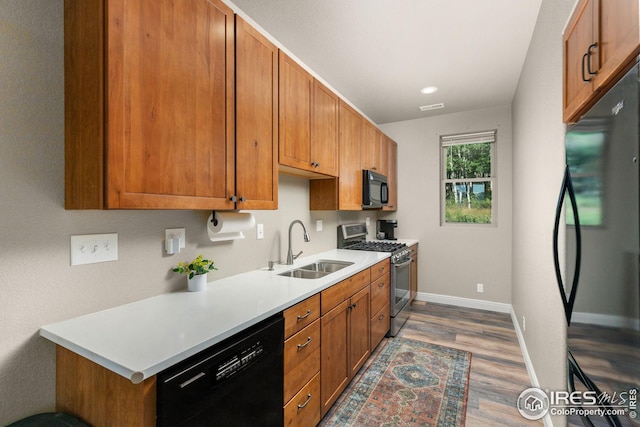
(290,255)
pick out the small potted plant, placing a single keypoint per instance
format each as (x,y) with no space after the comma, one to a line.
(196,272)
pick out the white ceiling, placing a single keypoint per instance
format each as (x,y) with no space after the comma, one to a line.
(379,53)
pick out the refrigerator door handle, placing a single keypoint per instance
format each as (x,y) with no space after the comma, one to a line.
(567,188)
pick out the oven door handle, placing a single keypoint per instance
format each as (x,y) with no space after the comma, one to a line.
(402,264)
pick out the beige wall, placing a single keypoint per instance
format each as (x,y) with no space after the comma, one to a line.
(37,284)
(464,254)
(538,164)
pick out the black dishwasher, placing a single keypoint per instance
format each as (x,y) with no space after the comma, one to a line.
(238,382)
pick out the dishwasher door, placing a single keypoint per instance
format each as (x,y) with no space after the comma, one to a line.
(238,382)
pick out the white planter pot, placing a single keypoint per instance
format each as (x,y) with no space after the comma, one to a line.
(197,283)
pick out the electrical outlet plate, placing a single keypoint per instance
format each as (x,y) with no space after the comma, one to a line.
(480,287)
(318,225)
(172,233)
(93,248)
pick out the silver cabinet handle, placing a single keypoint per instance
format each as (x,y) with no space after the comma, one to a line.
(304,316)
(382,316)
(301,346)
(381,284)
(306,402)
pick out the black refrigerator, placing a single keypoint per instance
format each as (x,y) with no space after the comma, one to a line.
(597,267)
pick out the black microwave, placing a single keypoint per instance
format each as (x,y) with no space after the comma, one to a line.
(375,190)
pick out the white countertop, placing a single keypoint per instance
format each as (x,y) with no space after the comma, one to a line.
(140,339)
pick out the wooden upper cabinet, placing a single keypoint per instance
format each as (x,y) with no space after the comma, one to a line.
(149,104)
(578,37)
(600,42)
(618,36)
(392,175)
(324,130)
(371,147)
(296,94)
(350,181)
(256,119)
(308,122)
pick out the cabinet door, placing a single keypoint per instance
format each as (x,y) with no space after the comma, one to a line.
(296,93)
(392,176)
(370,147)
(324,130)
(360,329)
(577,38)
(382,149)
(350,181)
(256,119)
(334,369)
(618,37)
(170,101)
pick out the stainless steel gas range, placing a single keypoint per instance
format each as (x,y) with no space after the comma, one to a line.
(354,237)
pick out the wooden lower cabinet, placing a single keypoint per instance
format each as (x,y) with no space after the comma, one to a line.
(380,292)
(345,345)
(413,275)
(380,324)
(359,330)
(302,363)
(101,397)
(303,410)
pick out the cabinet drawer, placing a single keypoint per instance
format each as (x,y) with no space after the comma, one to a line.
(301,315)
(380,293)
(301,359)
(342,291)
(304,409)
(380,323)
(379,269)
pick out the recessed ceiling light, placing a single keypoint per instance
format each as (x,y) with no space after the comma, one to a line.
(429,89)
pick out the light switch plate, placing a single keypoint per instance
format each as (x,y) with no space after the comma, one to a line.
(318,225)
(93,248)
(259,231)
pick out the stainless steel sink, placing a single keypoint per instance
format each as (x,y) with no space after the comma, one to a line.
(304,274)
(316,269)
(326,265)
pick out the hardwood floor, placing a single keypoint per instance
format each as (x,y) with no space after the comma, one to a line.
(498,374)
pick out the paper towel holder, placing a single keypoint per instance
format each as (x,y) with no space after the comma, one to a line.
(223,235)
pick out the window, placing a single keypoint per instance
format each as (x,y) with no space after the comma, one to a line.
(468,178)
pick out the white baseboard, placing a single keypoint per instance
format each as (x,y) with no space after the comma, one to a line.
(500,308)
(464,302)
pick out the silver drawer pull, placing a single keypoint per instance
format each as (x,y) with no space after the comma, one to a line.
(305,315)
(381,317)
(187,382)
(306,402)
(301,346)
(381,284)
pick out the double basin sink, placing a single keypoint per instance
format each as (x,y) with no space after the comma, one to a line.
(317,269)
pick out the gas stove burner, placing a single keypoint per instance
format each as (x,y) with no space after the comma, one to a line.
(376,246)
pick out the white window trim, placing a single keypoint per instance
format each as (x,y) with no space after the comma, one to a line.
(469,138)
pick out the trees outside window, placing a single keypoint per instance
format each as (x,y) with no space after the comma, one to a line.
(468,178)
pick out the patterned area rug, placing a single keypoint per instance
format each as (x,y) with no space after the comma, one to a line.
(409,383)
